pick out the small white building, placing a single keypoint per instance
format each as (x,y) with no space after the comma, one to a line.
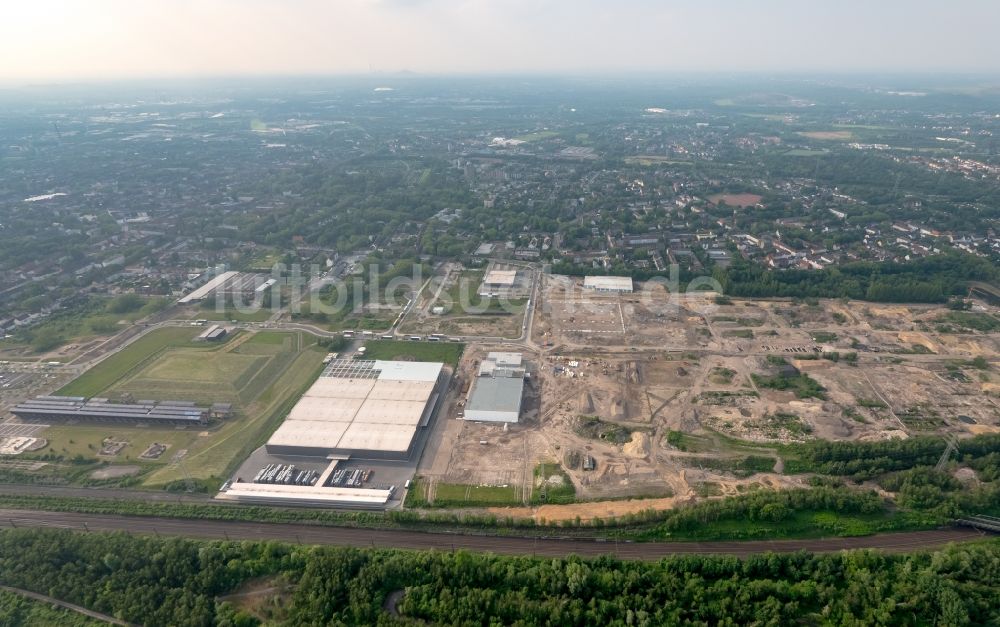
(500,278)
(497,282)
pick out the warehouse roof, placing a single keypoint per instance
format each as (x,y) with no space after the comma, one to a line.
(100,408)
(608,283)
(362,405)
(500,277)
(408,370)
(202,292)
(499,364)
(496,394)
(308,433)
(359,497)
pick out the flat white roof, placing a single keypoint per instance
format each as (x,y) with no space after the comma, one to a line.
(325,409)
(401,390)
(317,493)
(408,370)
(206,289)
(505,359)
(500,277)
(387,412)
(611,283)
(361,405)
(266,284)
(308,434)
(329,387)
(375,437)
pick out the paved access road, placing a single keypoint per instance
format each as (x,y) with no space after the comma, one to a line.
(391,538)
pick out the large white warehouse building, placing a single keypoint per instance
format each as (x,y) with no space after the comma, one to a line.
(362,409)
(621,284)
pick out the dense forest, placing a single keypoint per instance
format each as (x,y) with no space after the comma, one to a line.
(929,280)
(18,610)
(160,581)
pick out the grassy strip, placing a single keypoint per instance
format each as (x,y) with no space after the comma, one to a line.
(801,525)
(416,495)
(460,495)
(196,511)
(388,350)
(739,466)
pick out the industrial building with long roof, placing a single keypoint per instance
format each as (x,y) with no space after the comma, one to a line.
(621,284)
(362,409)
(61,408)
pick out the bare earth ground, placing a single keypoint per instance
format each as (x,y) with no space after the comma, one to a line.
(649,365)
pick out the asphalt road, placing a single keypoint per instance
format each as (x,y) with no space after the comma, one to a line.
(547,547)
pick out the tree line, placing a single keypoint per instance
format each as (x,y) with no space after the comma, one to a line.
(171,581)
(929,280)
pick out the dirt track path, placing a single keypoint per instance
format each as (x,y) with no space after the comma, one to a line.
(63,604)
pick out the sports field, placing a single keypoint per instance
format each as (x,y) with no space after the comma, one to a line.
(261,374)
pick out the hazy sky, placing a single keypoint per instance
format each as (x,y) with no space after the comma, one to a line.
(47,40)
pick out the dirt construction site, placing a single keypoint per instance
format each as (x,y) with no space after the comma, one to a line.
(675,399)
(457,302)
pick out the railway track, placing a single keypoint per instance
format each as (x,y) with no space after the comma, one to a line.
(415,540)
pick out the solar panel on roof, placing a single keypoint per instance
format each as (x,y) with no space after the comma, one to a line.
(56,406)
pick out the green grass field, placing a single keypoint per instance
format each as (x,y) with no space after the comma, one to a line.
(461,495)
(446,352)
(465,293)
(218,454)
(114,367)
(262,374)
(466,288)
(83,439)
(552,485)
